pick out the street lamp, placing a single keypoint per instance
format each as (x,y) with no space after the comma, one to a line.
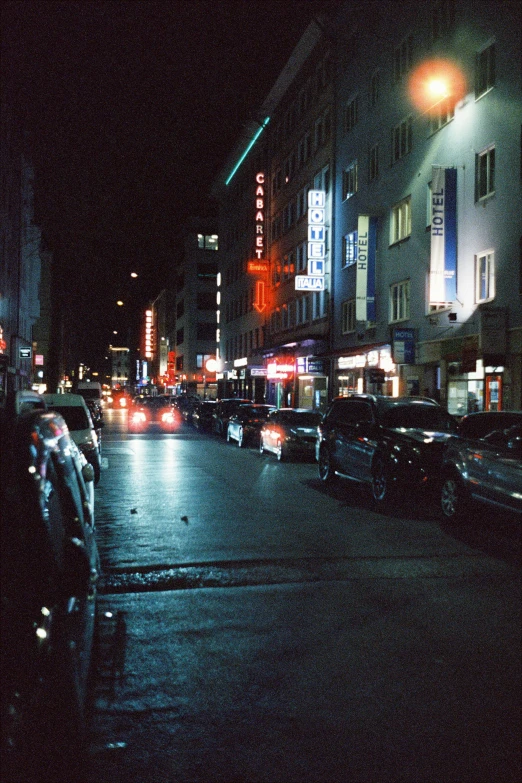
(434,81)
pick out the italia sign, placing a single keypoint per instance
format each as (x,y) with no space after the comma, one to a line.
(314,280)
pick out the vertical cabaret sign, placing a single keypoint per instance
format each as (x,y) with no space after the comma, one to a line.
(443,257)
(365,274)
(260,215)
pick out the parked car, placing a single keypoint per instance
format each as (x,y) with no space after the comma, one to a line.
(203,415)
(153,413)
(484,471)
(245,424)
(74,410)
(478,425)
(384,442)
(224,410)
(185,404)
(50,567)
(290,431)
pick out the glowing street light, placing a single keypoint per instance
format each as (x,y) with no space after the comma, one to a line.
(119,303)
(434,81)
(133,274)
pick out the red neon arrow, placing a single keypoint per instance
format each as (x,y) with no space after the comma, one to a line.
(260,303)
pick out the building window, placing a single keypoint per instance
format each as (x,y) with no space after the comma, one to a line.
(301,257)
(350,181)
(302,310)
(301,203)
(348,316)
(400,301)
(351,114)
(442,18)
(350,249)
(374,88)
(485,173)
(401,220)
(322,180)
(374,162)
(403,58)
(441,114)
(318,304)
(179,336)
(208,241)
(402,139)
(485,71)
(484,277)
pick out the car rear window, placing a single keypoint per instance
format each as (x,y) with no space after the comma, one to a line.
(75,417)
(424,417)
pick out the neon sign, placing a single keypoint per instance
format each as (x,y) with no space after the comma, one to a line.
(260,215)
(314,280)
(148,334)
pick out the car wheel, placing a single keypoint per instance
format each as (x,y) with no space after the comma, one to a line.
(97,474)
(452,499)
(240,437)
(280,453)
(228,434)
(326,471)
(381,484)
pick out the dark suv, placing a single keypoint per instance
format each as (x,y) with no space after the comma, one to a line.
(383,441)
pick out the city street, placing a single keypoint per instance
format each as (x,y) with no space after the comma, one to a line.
(275,631)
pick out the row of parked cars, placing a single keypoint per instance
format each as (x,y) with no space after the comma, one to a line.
(49,575)
(395,446)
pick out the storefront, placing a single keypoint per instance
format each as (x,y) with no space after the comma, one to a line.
(300,382)
(371,371)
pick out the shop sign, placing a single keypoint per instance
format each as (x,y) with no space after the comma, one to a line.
(260,217)
(316,366)
(258,372)
(25,353)
(39,360)
(404,346)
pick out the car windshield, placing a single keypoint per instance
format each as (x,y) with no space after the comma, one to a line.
(253,411)
(423,417)
(75,417)
(155,402)
(478,425)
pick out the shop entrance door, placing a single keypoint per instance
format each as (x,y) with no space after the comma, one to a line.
(493,386)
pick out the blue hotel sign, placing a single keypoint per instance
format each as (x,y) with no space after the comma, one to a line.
(314,280)
(404,346)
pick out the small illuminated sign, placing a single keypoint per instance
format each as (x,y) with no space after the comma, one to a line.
(26,353)
(257,267)
(309,283)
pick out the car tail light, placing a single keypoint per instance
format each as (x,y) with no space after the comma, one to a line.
(123,402)
(168,418)
(139,417)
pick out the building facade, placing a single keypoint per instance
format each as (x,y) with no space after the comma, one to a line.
(379,213)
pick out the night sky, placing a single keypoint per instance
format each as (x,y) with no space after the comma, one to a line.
(131,109)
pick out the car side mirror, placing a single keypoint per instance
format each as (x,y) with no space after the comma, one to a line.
(88,473)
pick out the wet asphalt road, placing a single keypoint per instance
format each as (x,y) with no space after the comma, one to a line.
(278,632)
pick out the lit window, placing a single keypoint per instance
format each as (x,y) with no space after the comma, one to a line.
(350,180)
(350,249)
(351,114)
(485,71)
(374,162)
(485,173)
(348,316)
(484,277)
(208,241)
(400,301)
(402,139)
(401,220)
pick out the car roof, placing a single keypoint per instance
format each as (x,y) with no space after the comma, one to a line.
(71,400)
